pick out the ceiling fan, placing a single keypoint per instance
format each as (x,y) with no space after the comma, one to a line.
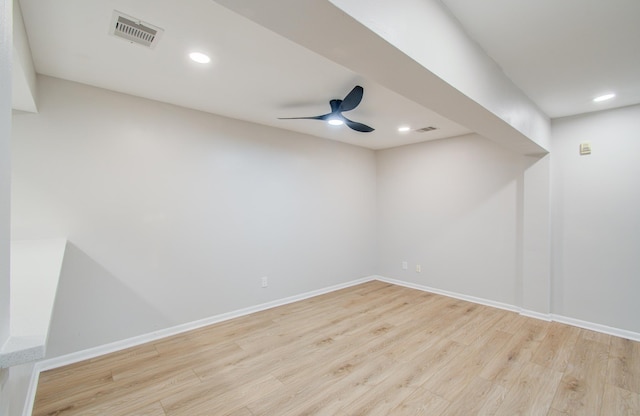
(335,117)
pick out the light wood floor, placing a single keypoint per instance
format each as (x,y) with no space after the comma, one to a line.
(374,349)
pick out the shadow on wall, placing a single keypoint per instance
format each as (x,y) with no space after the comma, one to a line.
(93,308)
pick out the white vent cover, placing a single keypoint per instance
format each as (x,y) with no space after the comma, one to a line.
(134,30)
(426,129)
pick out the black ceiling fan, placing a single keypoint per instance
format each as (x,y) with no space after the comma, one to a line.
(335,117)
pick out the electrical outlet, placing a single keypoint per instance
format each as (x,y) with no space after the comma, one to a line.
(265,281)
(405,265)
(418,268)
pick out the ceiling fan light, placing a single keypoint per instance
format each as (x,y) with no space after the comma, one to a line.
(403,129)
(335,122)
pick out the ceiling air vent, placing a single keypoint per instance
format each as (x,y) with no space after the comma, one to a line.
(426,129)
(134,30)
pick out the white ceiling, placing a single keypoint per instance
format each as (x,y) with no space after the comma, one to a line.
(257,75)
(561,53)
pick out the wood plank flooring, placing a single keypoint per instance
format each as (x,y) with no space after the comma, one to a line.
(373,349)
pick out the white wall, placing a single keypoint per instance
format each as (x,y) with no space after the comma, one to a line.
(177,214)
(23,74)
(536,237)
(596,218)
(451,206)
(174,215)
(5,177)
(5,163)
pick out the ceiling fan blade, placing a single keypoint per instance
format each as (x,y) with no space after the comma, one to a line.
(352,99)
(322,117)
(354,125)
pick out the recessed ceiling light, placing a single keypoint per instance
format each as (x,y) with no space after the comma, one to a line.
(603,98)
(403,129)
(335,122)
(199,57)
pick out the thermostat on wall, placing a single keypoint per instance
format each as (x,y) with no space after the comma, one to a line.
(585,148)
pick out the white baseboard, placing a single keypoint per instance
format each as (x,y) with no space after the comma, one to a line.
(157,335)
(617,332)
(454,295)
(537,315)
(622,333)
(94,352)
(49,364)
